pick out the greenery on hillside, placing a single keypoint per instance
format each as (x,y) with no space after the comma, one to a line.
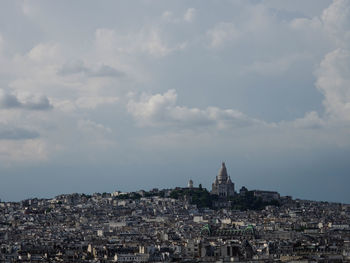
(250,202)
(197,196)
(202,198)
(137,195)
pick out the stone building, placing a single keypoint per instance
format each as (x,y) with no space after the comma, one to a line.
(223,185)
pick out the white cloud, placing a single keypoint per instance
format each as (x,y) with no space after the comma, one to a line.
(275,67)
(161,109)
(78,81)
(78,67)
(311,120)
(167,15)
(35,71)
(333,80)
(1,44)
(147,40)
(47,69)
(93,102)
(95,135)
(336,19)
(190,14)
(13,151)
(45,52)
(91,126)
(73,67)
(333,73)
(27,8)
(24,101)
(8,132)
(221,34)
(8,100)
(34,102)
(67,106)
(306,23)
(87,102)
(154,45)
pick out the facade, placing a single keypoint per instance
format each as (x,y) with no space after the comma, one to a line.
(223,185)
(131,257)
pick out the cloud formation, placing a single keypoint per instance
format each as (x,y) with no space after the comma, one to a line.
(161,109)
(333,73)
(28,102)
(275,72)
(78,67)
(190,14)
(222,33)
(89,125)
(333,80)
(14,133)
(147,40)
(336,19)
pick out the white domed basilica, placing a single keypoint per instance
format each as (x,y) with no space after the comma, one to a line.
(223,185)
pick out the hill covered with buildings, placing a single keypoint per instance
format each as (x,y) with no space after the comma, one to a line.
(188,224)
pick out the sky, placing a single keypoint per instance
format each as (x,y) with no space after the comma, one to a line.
(129,95)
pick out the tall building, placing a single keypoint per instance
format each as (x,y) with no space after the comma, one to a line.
(223,185)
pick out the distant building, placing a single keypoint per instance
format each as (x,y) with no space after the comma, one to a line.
(266,195)
(136,257)
(223,185)
(190,184)
(243,190)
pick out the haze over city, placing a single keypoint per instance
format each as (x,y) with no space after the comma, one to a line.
(129,95)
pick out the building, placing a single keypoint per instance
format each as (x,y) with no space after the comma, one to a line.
(266,196)
(131,257)
(223,185)
(190,184)
(243,191)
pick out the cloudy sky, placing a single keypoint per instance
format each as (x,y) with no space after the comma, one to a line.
(129,95)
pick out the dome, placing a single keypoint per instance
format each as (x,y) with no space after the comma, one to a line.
(222,176)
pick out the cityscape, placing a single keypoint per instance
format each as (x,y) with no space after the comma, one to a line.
(174,131)
(184,224)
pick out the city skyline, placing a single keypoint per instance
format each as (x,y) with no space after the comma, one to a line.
(98,97)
